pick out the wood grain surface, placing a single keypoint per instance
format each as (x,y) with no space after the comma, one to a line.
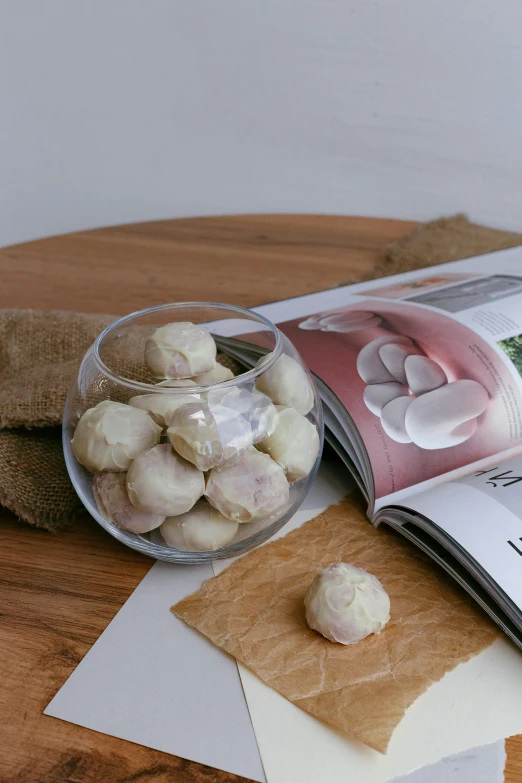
(58,593)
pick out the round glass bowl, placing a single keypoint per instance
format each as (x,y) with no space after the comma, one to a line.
(204,470)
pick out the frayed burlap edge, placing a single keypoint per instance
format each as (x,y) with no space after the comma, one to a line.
(440,241)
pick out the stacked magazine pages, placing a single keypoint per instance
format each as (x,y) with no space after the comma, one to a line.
(420,375)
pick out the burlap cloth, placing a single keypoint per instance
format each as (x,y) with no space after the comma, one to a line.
(40,352)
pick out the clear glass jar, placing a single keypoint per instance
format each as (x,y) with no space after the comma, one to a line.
(249,445)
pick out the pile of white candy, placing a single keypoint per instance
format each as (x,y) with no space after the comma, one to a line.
(413,397)
(156,458)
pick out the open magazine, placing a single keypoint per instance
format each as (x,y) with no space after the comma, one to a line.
(420,378)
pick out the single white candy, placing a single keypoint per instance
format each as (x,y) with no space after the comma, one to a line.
(217,374)
(209,437)
(254,407)
(377,395)
(345,328)
(161,482)
(350,321)
(446,416)
(393,357)
(110,493)
(311,324)
(369,363)
(286,383)
(392,419)
(201,529)
(294,444)
(180,350)
(161,406)
(254,488)
(345,604)
(110,435)
(423,374)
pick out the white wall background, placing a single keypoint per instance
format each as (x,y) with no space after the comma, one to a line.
(123,110)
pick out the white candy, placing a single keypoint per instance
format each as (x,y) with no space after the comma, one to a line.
(254,488)
(423,374)
(161,406)
(351,321)
(345,604)
(201,529)
(286,383)
(254,407)
(377,395)
(393,357)
(110,435)
(294,444)
(341,321)
(180,350)
(370,366)
(311,324)
(110,493)
(209,437)
(392,419)
(161,482)
(217,374)
(446,416)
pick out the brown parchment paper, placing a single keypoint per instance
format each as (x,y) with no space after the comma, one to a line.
(254,610)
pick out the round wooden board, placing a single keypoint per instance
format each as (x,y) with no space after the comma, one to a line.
(59,593)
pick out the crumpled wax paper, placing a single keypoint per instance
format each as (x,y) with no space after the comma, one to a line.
(254,610)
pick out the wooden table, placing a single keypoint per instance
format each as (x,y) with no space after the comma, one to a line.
(58,593)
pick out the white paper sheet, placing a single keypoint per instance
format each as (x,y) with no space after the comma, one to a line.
(152,680)
(478,765)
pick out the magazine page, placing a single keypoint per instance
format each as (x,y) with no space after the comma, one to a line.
(427,364)
(482,512)
(454,559)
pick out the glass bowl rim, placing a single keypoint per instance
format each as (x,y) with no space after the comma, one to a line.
(252,374)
